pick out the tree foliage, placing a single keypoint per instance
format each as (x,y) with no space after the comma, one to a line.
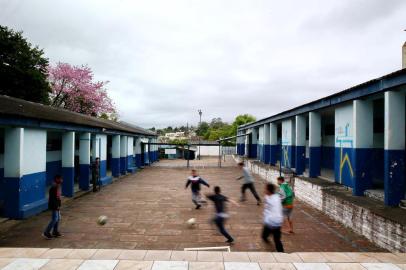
(23,68)
(74,89)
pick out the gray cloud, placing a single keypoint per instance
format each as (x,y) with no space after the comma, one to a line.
(167,59)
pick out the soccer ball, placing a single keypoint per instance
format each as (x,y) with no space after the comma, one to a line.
(191,222)
(102,220)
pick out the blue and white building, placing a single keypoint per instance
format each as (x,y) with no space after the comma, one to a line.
(355,138)
(37,142)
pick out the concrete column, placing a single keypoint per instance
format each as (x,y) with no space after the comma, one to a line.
(68,163)
(260,144)
(300,142)
(130,155)
(288,143)
(394,157)
(115,156)
(104,178)
(24,172)
(253,144)
(138,152)
(123,154)
(84,160)
(273,141)
(404,55)
(267,145)
(314,144)
(363,118)
(95,147)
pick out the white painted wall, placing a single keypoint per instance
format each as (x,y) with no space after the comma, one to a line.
(130,147)
(344,126)
(261,135)
(394,120)
(363,119)
(288,132)
(54,156)
(13,152)
(34,152)
(68,150)
(103,146)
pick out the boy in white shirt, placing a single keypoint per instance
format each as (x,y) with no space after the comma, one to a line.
(273,217)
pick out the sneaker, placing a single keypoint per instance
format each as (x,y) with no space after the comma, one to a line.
(198,206)
(258,202)
(230,241)
(57,234)
(47,236)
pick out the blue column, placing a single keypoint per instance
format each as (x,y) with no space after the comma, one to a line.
(115,156)
(314,144)
(363,117)
(68,163)
(288,143)
(273,141)
(123,155)
(394,155)
(130,155)
(104,178)
(300,158)
(253,146)
(84,161)
(24,172)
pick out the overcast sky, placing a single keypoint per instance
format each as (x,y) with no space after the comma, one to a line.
(167,59)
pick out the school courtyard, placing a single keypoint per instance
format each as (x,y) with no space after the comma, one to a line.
(148,210)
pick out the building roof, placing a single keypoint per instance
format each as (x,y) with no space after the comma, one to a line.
(387,82)
(19,108)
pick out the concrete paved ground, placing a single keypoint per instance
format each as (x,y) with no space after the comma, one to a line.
(148,210)
(109,259)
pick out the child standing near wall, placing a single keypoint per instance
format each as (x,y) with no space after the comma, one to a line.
(287,197)
(273,217)
(54,204)
(248,183)
(195,181)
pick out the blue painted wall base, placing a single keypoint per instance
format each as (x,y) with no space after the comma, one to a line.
(138,160)
(115,167)
(84,177)
(344,166)
(123,165)
(362,161)
(273,155)
(68,188)
(252,148)
(314,161)
(260,152)
(106,180)
(267,153)
(25,196)
(300,159)
(394,173)
(288,156)
(53,168)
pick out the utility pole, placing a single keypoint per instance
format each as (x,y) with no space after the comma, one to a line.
(200,124)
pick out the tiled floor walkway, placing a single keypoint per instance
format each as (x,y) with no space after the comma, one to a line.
(111,259)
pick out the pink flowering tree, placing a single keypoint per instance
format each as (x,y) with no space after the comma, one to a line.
(73,89)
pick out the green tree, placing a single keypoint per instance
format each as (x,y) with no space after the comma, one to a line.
(23,68)
(202,129)
(242,119)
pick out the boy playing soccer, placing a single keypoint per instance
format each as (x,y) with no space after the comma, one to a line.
(248,183)
(287,197)
(273,217)
(195,181)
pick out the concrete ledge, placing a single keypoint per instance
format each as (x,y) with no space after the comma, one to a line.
(384,226)
(106,180)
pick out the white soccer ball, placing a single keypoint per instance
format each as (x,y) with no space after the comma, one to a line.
(102,220)
(191,222)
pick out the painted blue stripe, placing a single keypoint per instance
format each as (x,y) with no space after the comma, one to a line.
(327,157)
(115,167)
(267,153)
(68,183)
(362,160)
(259,152)
(394,173)
(25,196)
(300,159)
(314,161)
(53,168)
(84,176)
(131,164)
(138,160)
(106,180)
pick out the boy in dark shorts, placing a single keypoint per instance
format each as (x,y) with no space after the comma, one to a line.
(248,183)
(220,217)
(273,217)
(195,181)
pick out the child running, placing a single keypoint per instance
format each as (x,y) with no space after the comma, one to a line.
(248,183)
(287,197)
(195,181)
(220,217)
(273,217)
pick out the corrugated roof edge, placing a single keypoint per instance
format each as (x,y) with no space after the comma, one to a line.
(353,88)
(11,106)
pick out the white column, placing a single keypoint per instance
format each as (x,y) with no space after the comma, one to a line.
(314,144)
(84,160)
(115,155)
(68,163)
(300,141)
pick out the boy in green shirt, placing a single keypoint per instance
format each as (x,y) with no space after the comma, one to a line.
(287,197)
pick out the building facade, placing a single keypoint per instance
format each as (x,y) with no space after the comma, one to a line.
(355,138)
(38,142)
